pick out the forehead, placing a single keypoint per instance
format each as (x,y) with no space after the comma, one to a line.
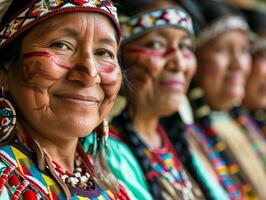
(233,37)
(79,22)
(169,33)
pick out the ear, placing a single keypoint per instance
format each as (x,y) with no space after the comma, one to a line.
(4,78)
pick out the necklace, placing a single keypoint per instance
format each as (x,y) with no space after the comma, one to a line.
(80,178)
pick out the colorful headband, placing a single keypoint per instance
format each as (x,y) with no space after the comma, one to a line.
(220,26)
(137,25)
(39,10)
(258,45)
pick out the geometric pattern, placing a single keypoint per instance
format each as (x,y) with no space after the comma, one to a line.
(42,9)
(220,26)
(20,164)
(141,23)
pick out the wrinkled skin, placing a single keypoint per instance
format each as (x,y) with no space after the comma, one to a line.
(223,68)
(67,80)
(160,66)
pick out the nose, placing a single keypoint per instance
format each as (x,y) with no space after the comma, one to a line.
(176,61)
(84,71)
(240,60)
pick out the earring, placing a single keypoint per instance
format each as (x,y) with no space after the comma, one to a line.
(7,116)
(105,133)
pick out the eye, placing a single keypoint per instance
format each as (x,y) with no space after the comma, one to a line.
(105,53)
(185,47)
(61,45)
(156,45)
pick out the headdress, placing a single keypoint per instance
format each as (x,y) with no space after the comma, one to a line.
(18,16)
(144,22)
(222,25)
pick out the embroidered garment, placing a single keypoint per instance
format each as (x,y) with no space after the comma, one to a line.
(250,166)
(123,165)
(174,182)
(166,165)
(20,178)
(217,162)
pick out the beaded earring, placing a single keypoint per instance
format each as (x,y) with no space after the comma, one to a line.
(103,173)
(7,116)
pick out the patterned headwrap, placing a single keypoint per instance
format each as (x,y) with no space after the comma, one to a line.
(137,25)
(17,16)
(222,25)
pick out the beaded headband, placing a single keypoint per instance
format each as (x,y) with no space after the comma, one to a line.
(220,26)
(259,44)
(141,23)
(39,10)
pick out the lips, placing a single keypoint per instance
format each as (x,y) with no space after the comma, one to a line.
(78,99)
(173,84)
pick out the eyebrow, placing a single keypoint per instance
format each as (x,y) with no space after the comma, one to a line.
(70,32)
(108,41)
(164,33)
(75,34)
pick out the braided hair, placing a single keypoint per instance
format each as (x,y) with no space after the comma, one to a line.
(124,123)
(175,129)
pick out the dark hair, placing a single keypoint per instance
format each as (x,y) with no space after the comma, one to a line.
(11,53)
(175,129)
(213,10)
(256,19)
(123,123)
(175,132)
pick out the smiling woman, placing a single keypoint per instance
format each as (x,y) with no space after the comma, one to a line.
(59,69)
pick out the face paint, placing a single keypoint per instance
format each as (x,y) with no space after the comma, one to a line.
(45,54)
(42,69)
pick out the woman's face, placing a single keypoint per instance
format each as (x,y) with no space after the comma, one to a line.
(255,97)
(69,74)
(160,66)
(223,67)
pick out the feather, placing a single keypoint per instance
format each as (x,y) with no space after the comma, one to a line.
(4,5)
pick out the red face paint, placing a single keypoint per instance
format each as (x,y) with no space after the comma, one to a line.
(44,54)
(187,55)
(149,52)
(108,69)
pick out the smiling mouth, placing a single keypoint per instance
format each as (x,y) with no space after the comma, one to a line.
(175,85)
(78,99)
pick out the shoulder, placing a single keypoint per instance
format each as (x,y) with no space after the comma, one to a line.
(123,164)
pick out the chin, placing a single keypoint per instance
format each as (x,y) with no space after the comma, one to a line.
(168,110)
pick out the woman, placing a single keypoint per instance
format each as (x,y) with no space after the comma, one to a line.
(255,98)
(223,68)
(159,61)
(59,70)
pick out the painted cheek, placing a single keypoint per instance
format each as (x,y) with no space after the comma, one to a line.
(187,55)
(111,77)
(42,69)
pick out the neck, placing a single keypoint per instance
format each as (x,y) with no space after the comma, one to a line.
(61,150)
(146,125)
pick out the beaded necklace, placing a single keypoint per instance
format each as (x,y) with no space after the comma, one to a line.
(165,162)
(217,162)
(124,124)
(80,178)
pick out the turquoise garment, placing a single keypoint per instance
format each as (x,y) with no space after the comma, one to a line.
(124,166)
(217,192)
